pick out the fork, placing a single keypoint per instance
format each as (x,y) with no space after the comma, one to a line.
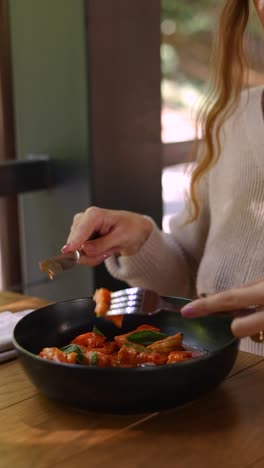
(140,301)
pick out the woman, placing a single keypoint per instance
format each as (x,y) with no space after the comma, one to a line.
(219,250)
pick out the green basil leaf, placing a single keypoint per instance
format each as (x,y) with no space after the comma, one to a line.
(73,348)
(97,331)
(146,337)
(137,347)
(94,357)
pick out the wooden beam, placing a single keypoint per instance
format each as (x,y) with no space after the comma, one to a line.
(123,41)
(177,153)
(9,229)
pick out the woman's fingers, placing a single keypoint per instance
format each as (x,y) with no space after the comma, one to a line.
(85,225)
(100,246)
(117,231)
(233,299)
(93,261)
(249,325)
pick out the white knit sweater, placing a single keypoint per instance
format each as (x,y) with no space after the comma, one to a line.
(224,248)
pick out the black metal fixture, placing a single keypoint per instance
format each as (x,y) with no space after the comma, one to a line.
(27,175)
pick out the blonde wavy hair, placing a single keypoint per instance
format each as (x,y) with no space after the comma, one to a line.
(229,73)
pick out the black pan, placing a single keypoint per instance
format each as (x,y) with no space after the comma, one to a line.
(122,390)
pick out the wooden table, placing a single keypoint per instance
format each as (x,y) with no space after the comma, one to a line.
(223,429)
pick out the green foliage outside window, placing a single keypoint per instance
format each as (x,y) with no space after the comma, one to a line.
(191,14)
(188,28)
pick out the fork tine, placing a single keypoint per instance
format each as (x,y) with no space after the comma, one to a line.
(126,292)
(121,299)
(125,301)
(124,304)
(122,311)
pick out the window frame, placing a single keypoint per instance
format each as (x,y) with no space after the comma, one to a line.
(9,230)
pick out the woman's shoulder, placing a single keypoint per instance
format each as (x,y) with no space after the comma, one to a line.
(250,106)
(248,119)
(252,96)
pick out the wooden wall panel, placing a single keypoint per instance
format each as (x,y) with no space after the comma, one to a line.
(9,228)
(123,46)
(124,81)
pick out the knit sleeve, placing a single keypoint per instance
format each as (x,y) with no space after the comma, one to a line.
(167,262)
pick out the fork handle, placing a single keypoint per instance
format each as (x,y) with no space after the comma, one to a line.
(175,305)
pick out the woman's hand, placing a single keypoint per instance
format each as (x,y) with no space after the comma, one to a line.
(234,299)
(116,232)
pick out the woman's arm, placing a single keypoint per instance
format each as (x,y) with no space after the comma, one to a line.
(168,263)
(136,251)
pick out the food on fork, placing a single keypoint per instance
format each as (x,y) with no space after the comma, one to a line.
(102,298)
(146,345)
